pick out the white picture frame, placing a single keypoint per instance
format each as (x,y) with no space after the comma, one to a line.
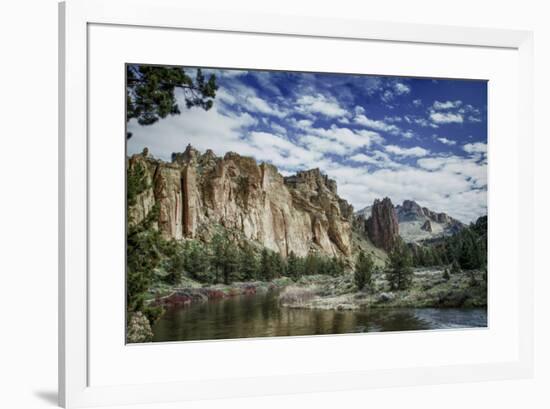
(75,19)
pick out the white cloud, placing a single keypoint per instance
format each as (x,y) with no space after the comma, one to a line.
(417,151)
(387,96)
(378,158)
(278,128)
(408,134)
(446,141)
(477,147)
(350,139)
(446,117)
(257,104)
(437,105)
(401,88)
(377,125)
(211,129)
(453,112)
(392,119)
(319,104)
(417,102)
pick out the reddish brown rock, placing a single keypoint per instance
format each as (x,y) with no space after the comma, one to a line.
(382,225)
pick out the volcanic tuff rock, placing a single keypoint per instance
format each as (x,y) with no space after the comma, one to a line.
(382,225)
(418,223)
(198,192)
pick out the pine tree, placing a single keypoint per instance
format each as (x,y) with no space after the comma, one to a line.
(279,266)
(293,267)
(248,263)
(399,271)
(363,270)
(150,92)
(230,267)
(266,266)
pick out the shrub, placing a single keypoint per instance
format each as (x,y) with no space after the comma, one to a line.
(139,329)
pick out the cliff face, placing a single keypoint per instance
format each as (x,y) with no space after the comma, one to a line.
(198,192)
(382,226)
(417,223)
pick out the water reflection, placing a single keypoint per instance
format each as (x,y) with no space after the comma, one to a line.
(260,316)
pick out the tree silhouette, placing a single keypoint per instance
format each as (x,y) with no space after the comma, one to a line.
(151,92)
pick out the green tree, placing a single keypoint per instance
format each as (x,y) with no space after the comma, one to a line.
(217,255)
(175,261)
(279,265)
(311,264)
(197,261)
(150,92)
(293,266)
(266,266)
(399,271)
(231,258)
(248,263)
(363,270)
(455,267)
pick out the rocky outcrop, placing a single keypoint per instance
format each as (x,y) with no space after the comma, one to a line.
(382,225)
(417,223)
(198,193)
(427,226)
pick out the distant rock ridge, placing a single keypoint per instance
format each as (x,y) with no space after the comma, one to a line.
(418,223)
(197,192)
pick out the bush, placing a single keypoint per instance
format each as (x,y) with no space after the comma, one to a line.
(139,329)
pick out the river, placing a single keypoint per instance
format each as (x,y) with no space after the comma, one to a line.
(261,316)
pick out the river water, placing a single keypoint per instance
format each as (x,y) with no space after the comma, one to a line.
(261,316)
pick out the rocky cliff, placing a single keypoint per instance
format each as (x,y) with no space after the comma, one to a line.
(199,193)
(417,223)
(382,226)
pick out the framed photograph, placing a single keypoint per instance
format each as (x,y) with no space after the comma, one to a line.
(269,204)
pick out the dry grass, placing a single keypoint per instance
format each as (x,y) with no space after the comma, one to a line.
(297,295)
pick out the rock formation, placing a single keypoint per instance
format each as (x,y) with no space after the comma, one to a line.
(199,193)
(417,223)
(382,225)
(427,226)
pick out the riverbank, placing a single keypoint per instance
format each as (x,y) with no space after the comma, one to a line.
(193,292)
(429,289)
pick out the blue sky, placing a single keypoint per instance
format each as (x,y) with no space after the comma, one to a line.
(405,138)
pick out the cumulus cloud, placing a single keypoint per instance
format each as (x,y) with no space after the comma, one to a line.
(438,106)
(448,112)
(344,140)
(477,147)
(319,104)
(257,104)
(377,125)
(318,126)
(401,88)
(446,117)
(416,151)
(446,141)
